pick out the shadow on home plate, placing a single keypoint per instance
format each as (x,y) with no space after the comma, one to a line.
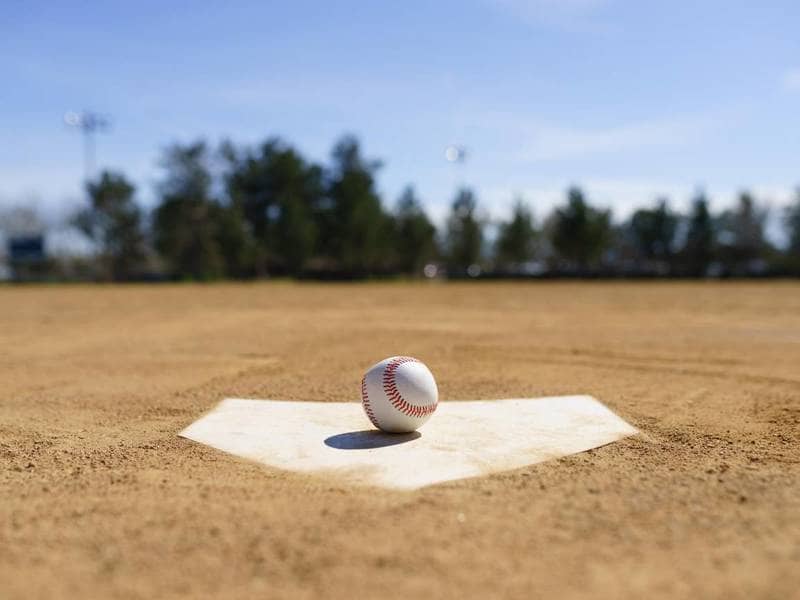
(369,438)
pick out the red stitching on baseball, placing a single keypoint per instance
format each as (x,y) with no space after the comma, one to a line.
(393,393)
(366,404)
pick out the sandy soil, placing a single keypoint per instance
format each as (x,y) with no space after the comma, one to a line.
(100,498)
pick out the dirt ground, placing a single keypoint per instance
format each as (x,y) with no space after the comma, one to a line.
(100,498)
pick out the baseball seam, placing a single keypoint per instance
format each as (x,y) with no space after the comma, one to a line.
(393,393)
(365,402)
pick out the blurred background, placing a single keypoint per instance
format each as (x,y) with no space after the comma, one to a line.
(338,140)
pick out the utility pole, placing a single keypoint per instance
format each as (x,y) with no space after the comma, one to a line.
(89,123)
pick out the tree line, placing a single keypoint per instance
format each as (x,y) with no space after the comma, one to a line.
(266,211)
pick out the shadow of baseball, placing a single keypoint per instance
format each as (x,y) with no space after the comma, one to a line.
(369,438)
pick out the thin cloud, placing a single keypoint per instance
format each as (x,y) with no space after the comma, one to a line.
(791,79)
(572,15)
(553,142)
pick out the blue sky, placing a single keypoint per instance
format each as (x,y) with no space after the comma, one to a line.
(630,99)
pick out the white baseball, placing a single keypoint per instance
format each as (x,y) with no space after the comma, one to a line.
(399,394)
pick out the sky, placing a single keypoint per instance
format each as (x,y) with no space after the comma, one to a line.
(629,99)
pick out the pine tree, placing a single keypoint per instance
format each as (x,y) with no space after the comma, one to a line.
(464,235)
(580,233)
(415,235)
(698,251)
(516,239)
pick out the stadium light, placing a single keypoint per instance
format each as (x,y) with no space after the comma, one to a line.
(88,123)
(455,153)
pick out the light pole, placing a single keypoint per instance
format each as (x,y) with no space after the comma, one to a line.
(88,123)
(456,156)
(455,153)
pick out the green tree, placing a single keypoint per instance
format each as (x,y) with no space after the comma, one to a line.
(516,239)
(743,247)
(653,231)
(579,232)
(279,194)
(464,236)
(415,235)
(791,222)
(698,250)
(234,240)
(113,222)
(196,235)
(356,232)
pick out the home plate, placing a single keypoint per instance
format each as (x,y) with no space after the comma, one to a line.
(462,439)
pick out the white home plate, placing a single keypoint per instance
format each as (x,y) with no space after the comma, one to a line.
(462,439)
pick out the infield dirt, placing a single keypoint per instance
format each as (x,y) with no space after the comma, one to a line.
(100,498)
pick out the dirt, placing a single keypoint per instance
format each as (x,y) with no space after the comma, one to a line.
(99,498)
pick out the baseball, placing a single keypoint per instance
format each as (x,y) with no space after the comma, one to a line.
(399,394)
